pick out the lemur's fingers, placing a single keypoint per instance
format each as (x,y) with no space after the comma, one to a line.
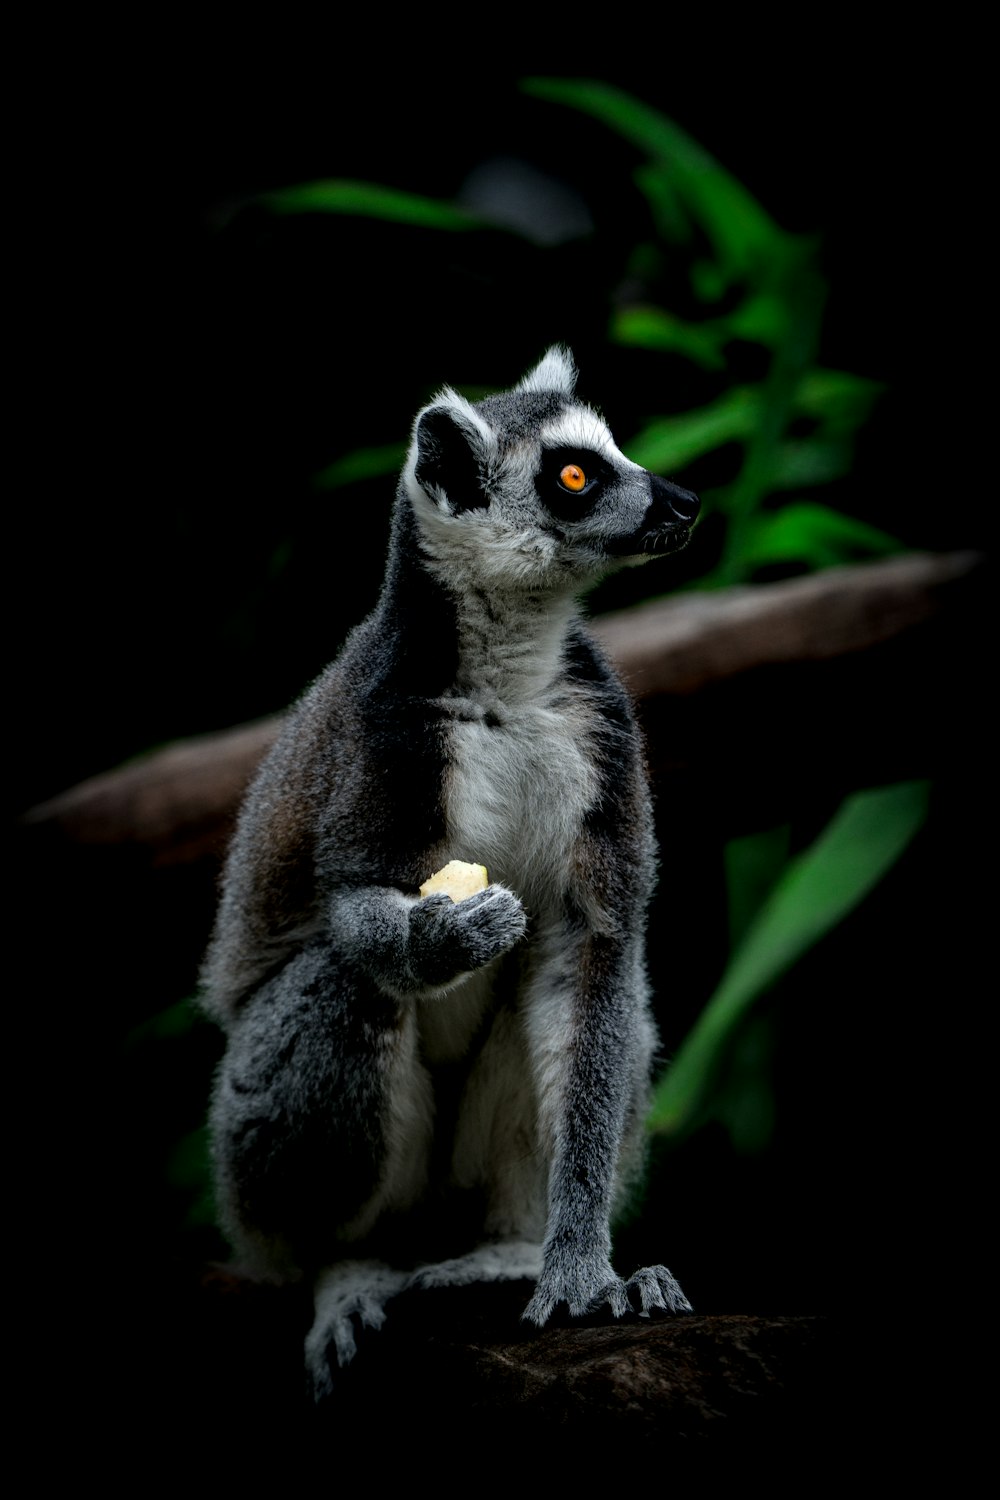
(448,939)
(615,1295)
(583,1283)
(491,922)
(348,1297)
(654,1288)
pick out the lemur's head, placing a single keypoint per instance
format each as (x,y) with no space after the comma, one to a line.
(528,489)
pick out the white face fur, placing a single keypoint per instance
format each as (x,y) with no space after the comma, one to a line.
(513,523)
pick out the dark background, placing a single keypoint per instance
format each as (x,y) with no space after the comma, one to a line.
(194,364)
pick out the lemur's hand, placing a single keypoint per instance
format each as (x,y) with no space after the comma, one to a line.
(449,938)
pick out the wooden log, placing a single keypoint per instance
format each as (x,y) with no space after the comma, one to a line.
(757,703)
(178,803)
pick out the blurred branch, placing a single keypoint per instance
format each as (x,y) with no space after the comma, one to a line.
(179,802)
(464,1350)
(751,697)
(691,642)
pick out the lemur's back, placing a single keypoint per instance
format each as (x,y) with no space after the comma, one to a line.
(490,1055)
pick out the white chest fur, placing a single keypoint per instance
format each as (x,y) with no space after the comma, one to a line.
(520,743)
(519,785)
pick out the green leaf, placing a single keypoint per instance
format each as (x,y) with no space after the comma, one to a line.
(176,1021)
(761,318)
(753,864)
(745,238)
(672,221)
(745,1102)
(666,444)
(188,1169)
(835,395)
(813,534)
(363,463)
(709,281)
(804,462)
(369,200)
(188,1162)
(653,328)
(669,443)
(860,844)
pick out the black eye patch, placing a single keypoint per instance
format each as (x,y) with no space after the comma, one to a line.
(569,481)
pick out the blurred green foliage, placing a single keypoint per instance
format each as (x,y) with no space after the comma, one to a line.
(754,284)
(371,200)
(715,284)
(754,288)
(754,300)
(804,901)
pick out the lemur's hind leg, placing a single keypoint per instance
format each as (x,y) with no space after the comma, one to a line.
(353,1295)
(321,1116)
(496,1152)
(508,1260)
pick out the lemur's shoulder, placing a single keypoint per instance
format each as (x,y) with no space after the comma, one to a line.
(586,663)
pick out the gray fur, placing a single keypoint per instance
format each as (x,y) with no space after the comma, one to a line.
(417,1092)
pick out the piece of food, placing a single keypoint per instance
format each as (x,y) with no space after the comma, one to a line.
(457,880)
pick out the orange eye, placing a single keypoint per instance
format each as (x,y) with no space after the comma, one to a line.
(572,477)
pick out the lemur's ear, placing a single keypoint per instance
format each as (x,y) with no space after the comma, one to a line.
(555,371)
(451,453)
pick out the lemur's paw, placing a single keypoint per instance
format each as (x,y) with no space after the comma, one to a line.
(505,1260)
(348,1298)
(582,1286)
(449,938)
(490,922)
(654,1289)
(593,1289)
(330,1343)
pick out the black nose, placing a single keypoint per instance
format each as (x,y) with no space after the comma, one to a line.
(683,505)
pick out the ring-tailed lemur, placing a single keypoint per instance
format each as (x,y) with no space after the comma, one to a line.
(419,1092)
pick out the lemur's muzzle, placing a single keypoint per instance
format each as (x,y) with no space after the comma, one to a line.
(667,524)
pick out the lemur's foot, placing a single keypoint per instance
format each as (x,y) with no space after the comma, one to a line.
(347,1297)
(509,1260)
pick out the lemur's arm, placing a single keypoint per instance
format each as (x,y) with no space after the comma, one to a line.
(586,1010)
(593,1027)
(409,946)
(594,1097)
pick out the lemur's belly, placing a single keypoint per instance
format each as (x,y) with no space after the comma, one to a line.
(517,793)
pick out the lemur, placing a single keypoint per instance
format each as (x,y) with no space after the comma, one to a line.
(419,1091)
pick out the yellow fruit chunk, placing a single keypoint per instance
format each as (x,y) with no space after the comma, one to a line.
(457,880)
